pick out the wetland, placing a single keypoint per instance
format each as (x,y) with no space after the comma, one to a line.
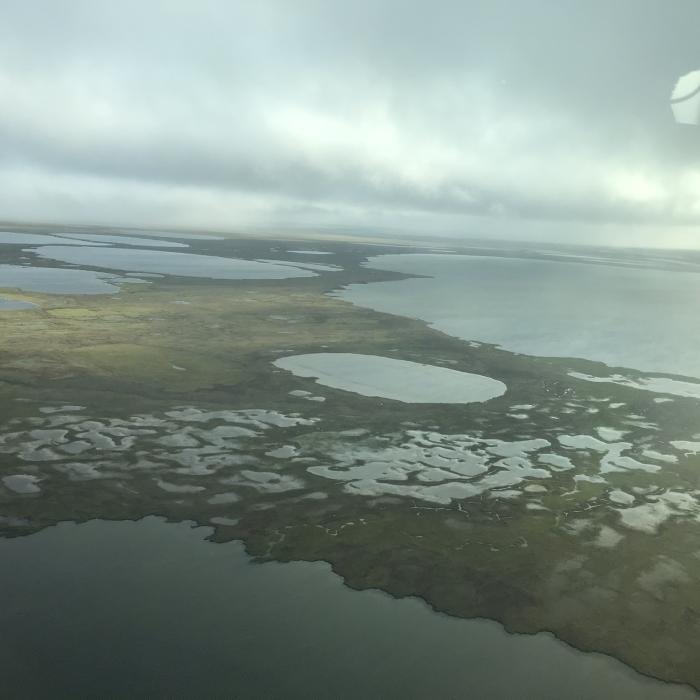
(432,426)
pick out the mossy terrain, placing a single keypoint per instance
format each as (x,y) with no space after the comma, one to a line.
(533,560)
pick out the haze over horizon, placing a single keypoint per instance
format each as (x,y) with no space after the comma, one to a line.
(539,121)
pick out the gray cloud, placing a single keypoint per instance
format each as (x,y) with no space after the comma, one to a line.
(539,118)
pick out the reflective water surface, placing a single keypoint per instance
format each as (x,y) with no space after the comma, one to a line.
(15,305)
(170,263)
(121,240)
(625,316)
(386,377)
(54,280)
(158,612)
(13,238)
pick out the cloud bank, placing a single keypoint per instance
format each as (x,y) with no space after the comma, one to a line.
(536,119)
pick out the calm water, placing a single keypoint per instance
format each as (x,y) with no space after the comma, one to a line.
(158,612)
(120,240)
(170,263)
(549,308)
(12,238)
(55,280)
(386,377)
(14,305)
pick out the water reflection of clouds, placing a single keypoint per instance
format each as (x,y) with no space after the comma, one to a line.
(549,308)
(55,280)
(171,263)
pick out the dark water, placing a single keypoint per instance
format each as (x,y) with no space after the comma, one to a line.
(151,610)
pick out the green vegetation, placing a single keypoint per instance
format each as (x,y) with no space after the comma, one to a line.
(536,560)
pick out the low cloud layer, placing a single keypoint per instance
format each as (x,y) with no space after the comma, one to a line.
(537,119)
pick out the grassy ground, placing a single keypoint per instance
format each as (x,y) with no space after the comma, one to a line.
(144,350)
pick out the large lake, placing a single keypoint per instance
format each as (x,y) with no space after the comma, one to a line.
(636,317)
(158,612)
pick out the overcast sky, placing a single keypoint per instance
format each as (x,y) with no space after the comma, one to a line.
(543,119)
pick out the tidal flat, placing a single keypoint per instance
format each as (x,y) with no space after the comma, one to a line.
(561,504)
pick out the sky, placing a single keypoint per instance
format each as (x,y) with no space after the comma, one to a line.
(536,119)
